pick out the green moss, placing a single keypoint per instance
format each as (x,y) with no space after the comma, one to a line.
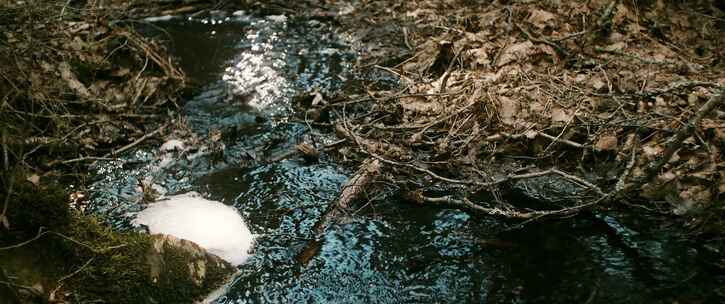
(118,272)
(32,207)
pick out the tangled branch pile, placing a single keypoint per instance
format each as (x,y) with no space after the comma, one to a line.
(76,86)
(597,95)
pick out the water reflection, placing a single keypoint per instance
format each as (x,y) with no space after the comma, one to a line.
(256,73)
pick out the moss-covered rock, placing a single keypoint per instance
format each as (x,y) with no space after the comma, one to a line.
(99,263)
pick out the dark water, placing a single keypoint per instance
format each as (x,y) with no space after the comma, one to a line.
(248,69)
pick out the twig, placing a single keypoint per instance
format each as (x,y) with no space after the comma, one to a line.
(683,133)
(396,96)
(68,276)
(563,130)
(643,60)
(557,47)
(501,135)
(136,142)
(3,215)
(465,203)
(511,177)
(449,69)
(81,159)
(406,39)
(62,11)
(442,119)
(6,161)
(42,232)
(621,181)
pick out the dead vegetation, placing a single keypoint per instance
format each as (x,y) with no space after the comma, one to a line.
(77,86)
(621,100)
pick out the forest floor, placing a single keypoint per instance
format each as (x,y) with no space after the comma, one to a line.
(620,100)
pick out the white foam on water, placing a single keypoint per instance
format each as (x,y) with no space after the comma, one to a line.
(216,227)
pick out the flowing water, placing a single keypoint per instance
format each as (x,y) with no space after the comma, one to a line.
(247,70)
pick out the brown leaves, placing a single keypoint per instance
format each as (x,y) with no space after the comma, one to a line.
(541,19)
(606,143)
(72,81)
(517,52)
(508,110)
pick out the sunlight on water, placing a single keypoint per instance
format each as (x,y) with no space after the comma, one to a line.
(256,72)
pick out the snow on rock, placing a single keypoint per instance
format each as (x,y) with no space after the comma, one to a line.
(172,145)
(216,227)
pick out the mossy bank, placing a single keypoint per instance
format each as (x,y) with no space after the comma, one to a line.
(72,257)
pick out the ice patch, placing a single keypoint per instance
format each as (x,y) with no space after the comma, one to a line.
(216,227)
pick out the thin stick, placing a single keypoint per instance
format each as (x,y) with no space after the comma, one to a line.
(531,215)
(6,161)
(685,131)
(508,178)
(136,142)
(42,232)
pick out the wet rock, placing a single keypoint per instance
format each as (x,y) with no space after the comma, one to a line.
(171,258)
(551,190)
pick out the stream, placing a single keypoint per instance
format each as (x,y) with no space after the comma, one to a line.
(247,70)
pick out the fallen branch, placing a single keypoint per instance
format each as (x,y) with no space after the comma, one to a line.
(467,204)
(531,134)
(675,142)
(136,142)
(563,52)
(631,56)
(352,190)
(111,155)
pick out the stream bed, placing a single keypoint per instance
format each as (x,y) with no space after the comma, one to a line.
(247,70)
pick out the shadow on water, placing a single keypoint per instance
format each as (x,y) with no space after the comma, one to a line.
(247,70)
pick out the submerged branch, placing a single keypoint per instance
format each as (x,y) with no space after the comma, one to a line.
(467,204)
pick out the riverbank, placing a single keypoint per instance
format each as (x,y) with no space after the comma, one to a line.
(79,85)
(598,106)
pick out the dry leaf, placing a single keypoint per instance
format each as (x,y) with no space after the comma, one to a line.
(598,84)
(606,143)
(480,56)
(513,53)
(540,18)
(560,115)
(697,193)
(73,83)
(318,99)
(420,104)
(507,109)
(651,151)
(34,179)
(666,177)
